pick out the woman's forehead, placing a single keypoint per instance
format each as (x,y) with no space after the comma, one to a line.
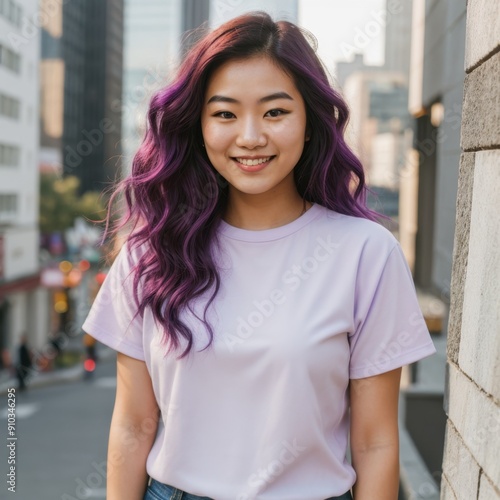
(257,76)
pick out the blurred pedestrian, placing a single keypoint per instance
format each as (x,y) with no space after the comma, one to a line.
(56,340)
(254,257)
(24,362)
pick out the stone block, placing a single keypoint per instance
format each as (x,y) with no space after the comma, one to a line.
(479,353)
(459,466)
(487,491)
(481,42)
(460,252)
(481,106)
(476,418)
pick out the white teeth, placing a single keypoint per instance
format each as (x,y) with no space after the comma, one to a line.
(250,163)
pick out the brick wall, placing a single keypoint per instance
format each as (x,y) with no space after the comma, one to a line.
(471,465)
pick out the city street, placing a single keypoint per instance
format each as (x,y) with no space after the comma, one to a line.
(62,434)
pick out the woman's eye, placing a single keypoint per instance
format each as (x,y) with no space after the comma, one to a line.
(274,113)
(224,114)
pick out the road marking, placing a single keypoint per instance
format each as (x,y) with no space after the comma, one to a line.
(23,410)
(94,493)
(107,382)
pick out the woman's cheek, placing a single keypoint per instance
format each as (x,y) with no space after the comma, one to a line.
(221,137)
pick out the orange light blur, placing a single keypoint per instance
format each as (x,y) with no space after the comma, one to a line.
(65,266)
(74,278)
(60,302)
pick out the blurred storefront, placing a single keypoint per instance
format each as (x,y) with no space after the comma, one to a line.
(23,301)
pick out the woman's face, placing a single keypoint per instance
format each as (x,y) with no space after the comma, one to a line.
(253,124)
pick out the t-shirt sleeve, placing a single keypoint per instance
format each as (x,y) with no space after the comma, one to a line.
(112,318)
(389,328)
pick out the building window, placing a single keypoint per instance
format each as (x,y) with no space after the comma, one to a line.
(9,106)
(8,206)
(10,59)
(12,11)
(9,155)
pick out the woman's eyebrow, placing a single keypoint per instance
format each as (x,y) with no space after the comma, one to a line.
(267,98)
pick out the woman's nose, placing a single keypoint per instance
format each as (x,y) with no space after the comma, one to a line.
(251,134)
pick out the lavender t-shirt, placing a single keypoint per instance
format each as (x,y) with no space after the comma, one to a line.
(264,412)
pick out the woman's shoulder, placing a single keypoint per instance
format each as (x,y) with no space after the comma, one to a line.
(358,232)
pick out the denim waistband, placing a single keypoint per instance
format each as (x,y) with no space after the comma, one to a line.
(160,491)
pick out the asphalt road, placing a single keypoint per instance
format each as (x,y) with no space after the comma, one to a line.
(62,436)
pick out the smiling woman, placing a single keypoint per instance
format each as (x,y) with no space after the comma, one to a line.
(249,223)
(254,121)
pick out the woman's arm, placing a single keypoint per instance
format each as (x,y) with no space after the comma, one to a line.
(374,435)
(132,432)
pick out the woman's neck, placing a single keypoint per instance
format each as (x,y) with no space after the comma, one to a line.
(252,215)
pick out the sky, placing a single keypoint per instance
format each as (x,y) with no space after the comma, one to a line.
(342,26)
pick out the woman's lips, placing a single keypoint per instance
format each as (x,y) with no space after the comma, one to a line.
(253,168)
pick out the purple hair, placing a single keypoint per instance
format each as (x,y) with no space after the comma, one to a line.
(174,196)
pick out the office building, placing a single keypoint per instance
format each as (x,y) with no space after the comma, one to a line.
(397,46)
(428,198)
(81,84)
(62,85)
(152,41)
(100,144)
(23,302)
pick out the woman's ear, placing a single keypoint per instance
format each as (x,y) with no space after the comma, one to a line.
(308,134)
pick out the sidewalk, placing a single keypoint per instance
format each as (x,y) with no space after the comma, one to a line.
(61,375)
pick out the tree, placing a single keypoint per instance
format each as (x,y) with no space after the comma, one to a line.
(60,203)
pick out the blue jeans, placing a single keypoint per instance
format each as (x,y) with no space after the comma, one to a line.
(160,491)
